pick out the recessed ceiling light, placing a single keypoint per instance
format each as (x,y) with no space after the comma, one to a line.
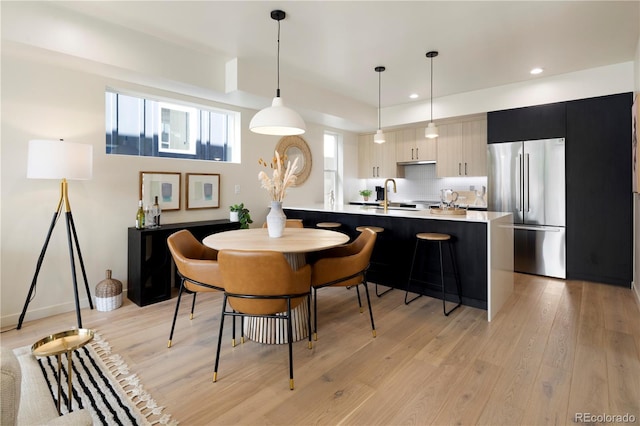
(536,71)
(413,96)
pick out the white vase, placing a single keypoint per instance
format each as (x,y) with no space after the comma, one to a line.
(276,220)
(233,217)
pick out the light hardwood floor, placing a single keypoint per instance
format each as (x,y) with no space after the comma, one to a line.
(557,348)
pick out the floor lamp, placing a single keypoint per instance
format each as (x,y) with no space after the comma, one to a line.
(50,159)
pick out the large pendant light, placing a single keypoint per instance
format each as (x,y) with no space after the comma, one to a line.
(431,131)
(277,119)
(379,136)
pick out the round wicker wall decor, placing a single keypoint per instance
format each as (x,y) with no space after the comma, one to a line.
(293,147)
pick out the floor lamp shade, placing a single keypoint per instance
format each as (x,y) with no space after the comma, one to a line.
(277,120)
(51,159)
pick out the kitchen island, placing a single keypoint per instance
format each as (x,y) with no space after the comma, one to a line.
(483,245)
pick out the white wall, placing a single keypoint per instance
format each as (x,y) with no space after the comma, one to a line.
(42,100)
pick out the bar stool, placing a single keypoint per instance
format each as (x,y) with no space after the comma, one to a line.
(377,230)
(439,238)
(328,225)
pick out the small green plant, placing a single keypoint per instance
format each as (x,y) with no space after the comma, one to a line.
(243,215)
(366,193)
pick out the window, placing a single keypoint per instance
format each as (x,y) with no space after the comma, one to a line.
(332,179)
(153,128)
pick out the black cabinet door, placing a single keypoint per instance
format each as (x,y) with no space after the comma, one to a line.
(599,197)
(530,123)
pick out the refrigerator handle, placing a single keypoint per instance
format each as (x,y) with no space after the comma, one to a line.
(526,185)
(519,183)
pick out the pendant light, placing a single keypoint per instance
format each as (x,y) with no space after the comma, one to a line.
(431,131)
(379,136)
(277,119)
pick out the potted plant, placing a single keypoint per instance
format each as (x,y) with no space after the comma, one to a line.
(238,213)
(365,194)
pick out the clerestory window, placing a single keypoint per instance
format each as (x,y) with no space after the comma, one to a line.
(160,128)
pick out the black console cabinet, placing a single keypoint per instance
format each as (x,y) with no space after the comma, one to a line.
(149,271)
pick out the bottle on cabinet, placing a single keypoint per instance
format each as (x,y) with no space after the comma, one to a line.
(148,217)
(156,212)
(140,216)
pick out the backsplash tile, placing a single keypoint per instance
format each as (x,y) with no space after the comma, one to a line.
(421,183)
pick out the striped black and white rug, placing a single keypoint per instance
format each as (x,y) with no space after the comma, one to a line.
(102,383)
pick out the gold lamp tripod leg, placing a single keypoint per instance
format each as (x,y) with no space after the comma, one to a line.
(71,229)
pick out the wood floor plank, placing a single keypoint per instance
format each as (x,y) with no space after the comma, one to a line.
(439,348)
(622,379)
(592,312)
(560,349)
(509,399)
(414,396)
(589,390)
(548,401)
(469,394)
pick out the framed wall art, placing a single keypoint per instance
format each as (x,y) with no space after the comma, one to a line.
(203,191)
(164,185)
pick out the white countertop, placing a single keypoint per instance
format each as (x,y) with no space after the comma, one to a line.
(471,216)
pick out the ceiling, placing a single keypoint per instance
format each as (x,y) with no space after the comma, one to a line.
(335,45)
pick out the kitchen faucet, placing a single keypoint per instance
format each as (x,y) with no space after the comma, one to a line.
(385,202)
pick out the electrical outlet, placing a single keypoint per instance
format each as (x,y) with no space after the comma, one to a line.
(237,190)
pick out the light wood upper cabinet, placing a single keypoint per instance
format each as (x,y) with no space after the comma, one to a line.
(462,149)
(474,136)
(377,160)
(411,145)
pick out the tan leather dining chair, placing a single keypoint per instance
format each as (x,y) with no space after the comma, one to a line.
(262,284)
(197,267)
(290,223)
(343,266)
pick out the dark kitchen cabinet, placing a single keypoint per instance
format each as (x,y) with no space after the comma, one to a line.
(394,247)
(529,123)
(150,275)
(598,178)
(599,193)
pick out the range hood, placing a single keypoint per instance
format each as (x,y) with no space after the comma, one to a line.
(414,163)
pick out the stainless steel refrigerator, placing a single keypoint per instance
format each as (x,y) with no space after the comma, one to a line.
(527,178)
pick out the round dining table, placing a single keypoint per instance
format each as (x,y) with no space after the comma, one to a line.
(294,243)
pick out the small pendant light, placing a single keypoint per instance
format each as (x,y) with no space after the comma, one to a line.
(379,136)
(277,119)
(431,131)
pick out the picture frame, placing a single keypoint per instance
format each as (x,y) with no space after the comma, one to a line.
(203,191)
(164,185)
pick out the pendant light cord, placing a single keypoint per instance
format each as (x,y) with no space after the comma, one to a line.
(379,89)
(431,89)
(278,64)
